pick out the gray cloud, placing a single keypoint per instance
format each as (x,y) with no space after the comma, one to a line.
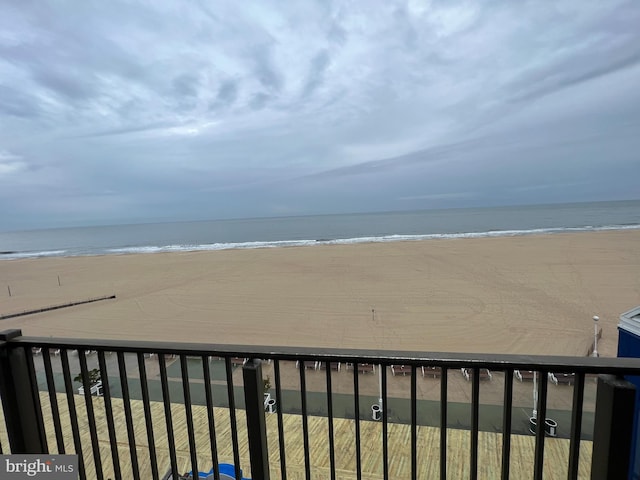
(259,101)
(558,77)
(16,103)
(318,67)
(227,93)
(185,85)
(139,110)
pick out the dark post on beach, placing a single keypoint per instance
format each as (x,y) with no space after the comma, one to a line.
(9,288)
(58,280)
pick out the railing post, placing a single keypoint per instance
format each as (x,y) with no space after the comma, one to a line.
(256,424)
(20,399)
(612,429)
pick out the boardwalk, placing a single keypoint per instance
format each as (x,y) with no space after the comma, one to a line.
(522,447)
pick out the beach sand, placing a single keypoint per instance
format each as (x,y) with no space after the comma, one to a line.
(523,295)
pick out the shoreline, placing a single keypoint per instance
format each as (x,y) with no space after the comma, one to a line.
(449,295)
(262,244)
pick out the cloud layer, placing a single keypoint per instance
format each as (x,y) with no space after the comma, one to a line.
(140,111)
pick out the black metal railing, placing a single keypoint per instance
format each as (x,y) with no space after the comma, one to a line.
(128,423)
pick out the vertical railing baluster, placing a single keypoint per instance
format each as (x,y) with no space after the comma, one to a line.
(475,410)
(613,428)
(187,410)
(305,422)
(146,404)
(85,429)
(88,401)
(414,424)
(36,398)
(253,383)
(166,400)
(108,410)
(279,407)
(538,463)
(332,453)
(210,416)
(126,402)
(53,399)
(385,422)
(356,398)
(443,423)
(576,426)
(506,423)
(232,416)
(73,416)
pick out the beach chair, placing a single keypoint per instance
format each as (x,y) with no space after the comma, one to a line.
(523,375)
(238,361)
(307,365)
(562,378)
(435,372)
(483,374)
(366,368)
(400,370)
(95,389)
(333,365)
(528,375)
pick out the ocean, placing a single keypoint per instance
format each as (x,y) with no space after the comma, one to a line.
(320,229)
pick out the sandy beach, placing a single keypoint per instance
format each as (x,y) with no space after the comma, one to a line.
(527,294)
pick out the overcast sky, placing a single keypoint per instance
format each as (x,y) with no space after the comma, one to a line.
(117,112)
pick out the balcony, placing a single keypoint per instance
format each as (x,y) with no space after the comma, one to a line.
(164,409)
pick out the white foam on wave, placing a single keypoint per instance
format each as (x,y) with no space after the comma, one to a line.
(19,255)
(302,243)
(348,241)
(496,233)
(211,246)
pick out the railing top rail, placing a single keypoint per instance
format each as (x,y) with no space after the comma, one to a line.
(492,361)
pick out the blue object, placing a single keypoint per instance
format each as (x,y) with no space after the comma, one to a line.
(629,346)
(223,468)
(227,469)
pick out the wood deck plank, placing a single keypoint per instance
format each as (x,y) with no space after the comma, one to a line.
(458,442)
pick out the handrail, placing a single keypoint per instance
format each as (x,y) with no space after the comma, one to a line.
(492,361)
(26,430)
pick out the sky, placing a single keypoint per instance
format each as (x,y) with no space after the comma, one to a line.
(124,112)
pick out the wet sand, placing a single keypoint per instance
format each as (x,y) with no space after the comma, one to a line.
(529,294)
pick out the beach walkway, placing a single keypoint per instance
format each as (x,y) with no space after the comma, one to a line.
(398,403)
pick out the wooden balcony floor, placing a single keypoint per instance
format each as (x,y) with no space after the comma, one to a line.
(458,442)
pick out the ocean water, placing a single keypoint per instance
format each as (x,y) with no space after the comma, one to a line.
(320,229)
